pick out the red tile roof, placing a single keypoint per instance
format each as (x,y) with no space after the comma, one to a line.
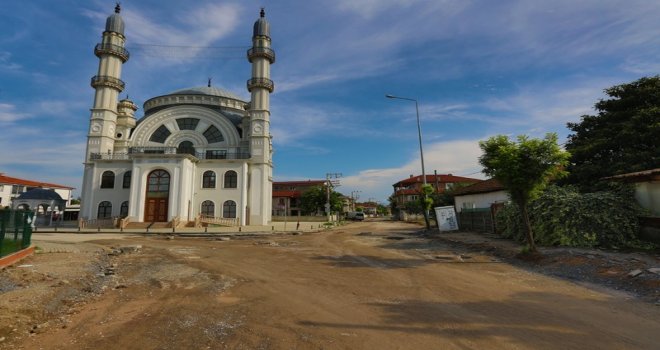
(299,183)
(290,194)
(490,185)
(16,181)
(432,179)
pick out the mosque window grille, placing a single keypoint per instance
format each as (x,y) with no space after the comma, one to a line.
(108,179)
(213,135)
(187,123)
(208,208)
(231,179)
(105,210)
(229,209)
(123,210)
(208,179)
(160,135)
(127,180)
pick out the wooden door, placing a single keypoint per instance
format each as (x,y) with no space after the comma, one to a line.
(158,195)
(156,210)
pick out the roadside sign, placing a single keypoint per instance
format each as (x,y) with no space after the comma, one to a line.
(446,217)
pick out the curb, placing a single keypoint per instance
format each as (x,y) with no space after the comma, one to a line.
(16,257)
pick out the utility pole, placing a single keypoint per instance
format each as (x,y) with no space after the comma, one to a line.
(329,182)
(354,197)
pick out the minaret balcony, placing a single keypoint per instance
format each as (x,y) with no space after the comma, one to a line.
(105,80)
(260,83)
(110,49)
(265,52)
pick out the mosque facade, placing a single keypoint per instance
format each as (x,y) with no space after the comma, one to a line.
(196,152)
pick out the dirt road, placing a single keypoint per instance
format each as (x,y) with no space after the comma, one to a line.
(369,285)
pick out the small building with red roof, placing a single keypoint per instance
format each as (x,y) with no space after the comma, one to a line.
(12,187)
(287,194)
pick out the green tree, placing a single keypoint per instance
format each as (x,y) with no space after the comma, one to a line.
(524,168)
(314,200)
(623,137)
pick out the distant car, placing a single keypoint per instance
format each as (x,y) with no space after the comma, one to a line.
(359,216)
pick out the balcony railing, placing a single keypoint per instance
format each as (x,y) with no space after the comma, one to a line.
(111,49)
(261,83)
(105,80)
(265,52)
(134,151)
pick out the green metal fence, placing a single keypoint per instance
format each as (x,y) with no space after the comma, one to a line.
(15,230)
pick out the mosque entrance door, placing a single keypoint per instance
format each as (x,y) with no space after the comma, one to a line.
(158,195)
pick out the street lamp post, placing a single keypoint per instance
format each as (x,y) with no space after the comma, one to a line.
(421,155)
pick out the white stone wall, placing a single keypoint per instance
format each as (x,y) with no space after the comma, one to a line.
(480,200)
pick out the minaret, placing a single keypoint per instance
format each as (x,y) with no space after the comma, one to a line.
(103,121)
(125,122)
(108,85)
(260,86)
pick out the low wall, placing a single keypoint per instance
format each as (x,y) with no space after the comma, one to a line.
(302,218)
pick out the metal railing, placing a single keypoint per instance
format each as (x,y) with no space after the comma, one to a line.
(106,80)
(112,49)
(265,52)
(260,82)
(218,221)
(133,151)
(15,230)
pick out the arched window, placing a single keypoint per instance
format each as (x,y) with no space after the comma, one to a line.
(186,147)
(158,183)
(229,209)
(213,135)
(127,180)
(187,123)
(161,134)
(208,208)
(123,210)
(208,179)
(108,179)
(105,210)
(231,179)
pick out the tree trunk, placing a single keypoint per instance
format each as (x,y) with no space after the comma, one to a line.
(528,229)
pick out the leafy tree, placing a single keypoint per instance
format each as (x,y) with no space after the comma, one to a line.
(313,200)
(524,168)
(623,137)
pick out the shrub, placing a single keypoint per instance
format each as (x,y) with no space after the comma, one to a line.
(563,216)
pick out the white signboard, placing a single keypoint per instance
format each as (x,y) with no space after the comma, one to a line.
(446,218)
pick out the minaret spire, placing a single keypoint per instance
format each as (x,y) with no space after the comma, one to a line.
(118,7)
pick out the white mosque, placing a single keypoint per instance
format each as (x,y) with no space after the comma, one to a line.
(196,152)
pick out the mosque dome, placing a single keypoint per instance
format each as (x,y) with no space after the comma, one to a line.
(40,193)
(261,26)
(115,23)
(206,90)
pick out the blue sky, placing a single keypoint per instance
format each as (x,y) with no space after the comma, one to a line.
(477,68)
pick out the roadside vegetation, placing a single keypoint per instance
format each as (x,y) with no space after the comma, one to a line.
(582,209)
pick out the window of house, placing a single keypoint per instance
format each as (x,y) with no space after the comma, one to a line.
(105,210)
(208,208)
(213,135)
(208,179)
(123,210)
(160,135)
(108,179)
(186,147)
(127,180)
(187,123)
(231,179)
(229,209)
(158,183)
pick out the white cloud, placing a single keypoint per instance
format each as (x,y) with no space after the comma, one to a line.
(8,114)
(459,157)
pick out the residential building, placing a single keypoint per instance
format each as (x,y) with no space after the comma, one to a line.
(479,195)
(287,196)
(409,190)
(12,187)
(200,151)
